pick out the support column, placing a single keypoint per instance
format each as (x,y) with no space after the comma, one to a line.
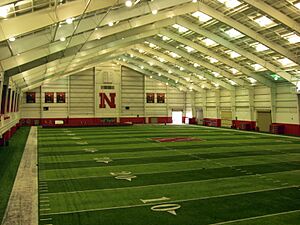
(233,104)
(273,91)
(251,103)
(218,105)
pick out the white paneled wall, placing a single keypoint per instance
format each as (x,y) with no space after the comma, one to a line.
(82,95)
(82,98)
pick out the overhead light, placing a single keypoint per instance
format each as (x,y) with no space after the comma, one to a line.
(233,83)
(180,28)
(167,84)
(210,43)
(297,5)
(161,59)
(230,3)
(159,74)
(176,81)
(128,3)
(264,21)
(4,11)
(69,20)
(181,69)
(233,33)
(201,16)
(62,39)
(110,24)
(194,1)
(12,39)
(142,67)
(286,62)
(96,28)
(154,11)
(150,77)
(292,38)
(141,50)
(151,45)
(170,71)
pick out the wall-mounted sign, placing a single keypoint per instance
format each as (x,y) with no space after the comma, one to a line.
(160,98)
(110,100)
(150,97)
(30,97)
(60,97)
(49,97)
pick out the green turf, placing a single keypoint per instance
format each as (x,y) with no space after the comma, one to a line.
(10,157)
(232,176)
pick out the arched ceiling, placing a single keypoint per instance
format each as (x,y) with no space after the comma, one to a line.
(189,44)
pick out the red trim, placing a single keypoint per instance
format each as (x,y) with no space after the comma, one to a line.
(164,120)
(289,129)
(134,120)
(244,124)
(212,122)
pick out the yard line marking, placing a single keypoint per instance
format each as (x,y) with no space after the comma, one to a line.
(256,217)
(44,201)
(45,219)
(153,185)
(45,209)
(173,201)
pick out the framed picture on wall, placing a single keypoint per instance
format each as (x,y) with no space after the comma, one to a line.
(30,97)
(60,97)
(49,97)
(160,97)
(150,97)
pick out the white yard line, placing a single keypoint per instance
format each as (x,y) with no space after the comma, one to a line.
(23,202)
(172,201)
(257,217)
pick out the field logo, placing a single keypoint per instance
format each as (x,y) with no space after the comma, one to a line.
(164,207)
(111,100)
(124,175)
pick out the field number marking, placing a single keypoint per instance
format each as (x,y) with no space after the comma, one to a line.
(170,208)
(105,160)
(154,200)
(124,175)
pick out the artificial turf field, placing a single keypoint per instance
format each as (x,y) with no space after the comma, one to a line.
(120,175)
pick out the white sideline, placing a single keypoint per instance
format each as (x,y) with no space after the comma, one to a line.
(22,207)
(246,131)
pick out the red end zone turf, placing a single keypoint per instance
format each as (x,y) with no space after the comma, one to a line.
(176,139)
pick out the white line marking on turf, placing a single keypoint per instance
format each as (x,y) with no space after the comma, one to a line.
(45,219)
(244,131)
(175,200)
(256,217)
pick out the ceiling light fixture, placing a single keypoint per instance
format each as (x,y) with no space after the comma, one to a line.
(128,3)
(12,39)
(69,20)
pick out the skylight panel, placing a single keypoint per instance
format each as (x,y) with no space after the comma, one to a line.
(233,33)
(234,71)
(212,60)
(4,10)
(174,55)
(252,80)
(292,38)
(286,62)
(216,74)
(264,21)
(259,47)
(210,43)
(258,67)
(189,49)
(297,5)
(202,16)
(180,28)
(230,3)
(233,54)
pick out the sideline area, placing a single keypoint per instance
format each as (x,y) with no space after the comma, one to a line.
(23,203)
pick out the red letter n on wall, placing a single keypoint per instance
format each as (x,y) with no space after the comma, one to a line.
(105,99)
